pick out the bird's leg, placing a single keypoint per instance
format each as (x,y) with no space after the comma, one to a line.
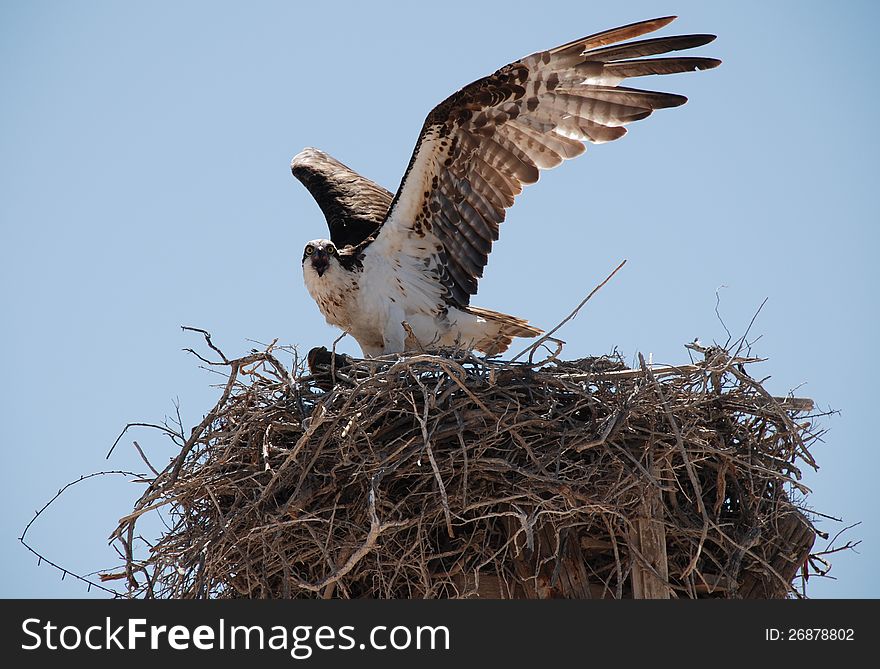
(411,343)
(394,335)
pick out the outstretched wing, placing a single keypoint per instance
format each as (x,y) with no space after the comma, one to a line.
(479,147)
(353,205)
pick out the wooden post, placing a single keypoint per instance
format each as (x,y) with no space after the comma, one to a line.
(649,539)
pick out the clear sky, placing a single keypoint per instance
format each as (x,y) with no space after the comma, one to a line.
(144,185)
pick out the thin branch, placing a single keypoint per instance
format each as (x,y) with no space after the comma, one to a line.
(533,347)
(207,335)
(64,571)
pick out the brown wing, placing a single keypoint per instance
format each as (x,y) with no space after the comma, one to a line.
(353,205)
(480,146)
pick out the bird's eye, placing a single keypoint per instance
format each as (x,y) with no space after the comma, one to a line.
(310,250)
(331,250)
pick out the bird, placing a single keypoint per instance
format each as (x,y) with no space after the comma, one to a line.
(399,271)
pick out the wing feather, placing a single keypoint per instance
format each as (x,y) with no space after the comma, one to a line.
(648,47)
(630,31)
(632,97)
(478,199)
(509,159)
(480,146)
(493,191)
(476,232)
(501,188)
(629,69)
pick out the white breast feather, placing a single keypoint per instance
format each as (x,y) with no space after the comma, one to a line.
(401,257)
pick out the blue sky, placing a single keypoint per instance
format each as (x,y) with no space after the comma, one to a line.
(145,185)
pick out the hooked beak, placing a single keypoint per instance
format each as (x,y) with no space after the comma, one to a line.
(320,261)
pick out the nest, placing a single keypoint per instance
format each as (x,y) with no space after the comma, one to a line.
(447,475)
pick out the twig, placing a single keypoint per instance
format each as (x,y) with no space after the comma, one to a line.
(37,514)
(533,347)
(207,335)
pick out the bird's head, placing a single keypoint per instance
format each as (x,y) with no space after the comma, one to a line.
(319,255)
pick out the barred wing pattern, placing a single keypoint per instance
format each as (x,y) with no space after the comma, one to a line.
(479,147)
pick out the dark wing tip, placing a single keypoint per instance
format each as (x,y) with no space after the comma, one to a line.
(700,40)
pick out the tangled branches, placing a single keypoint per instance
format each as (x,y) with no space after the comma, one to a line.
(446,475)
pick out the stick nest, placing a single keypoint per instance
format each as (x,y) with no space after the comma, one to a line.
(447,475)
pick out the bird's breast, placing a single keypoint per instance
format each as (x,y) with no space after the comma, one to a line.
(335,293)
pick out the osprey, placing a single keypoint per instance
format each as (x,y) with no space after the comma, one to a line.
(398,272)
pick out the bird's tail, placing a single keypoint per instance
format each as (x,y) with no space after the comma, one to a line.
(497,330)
